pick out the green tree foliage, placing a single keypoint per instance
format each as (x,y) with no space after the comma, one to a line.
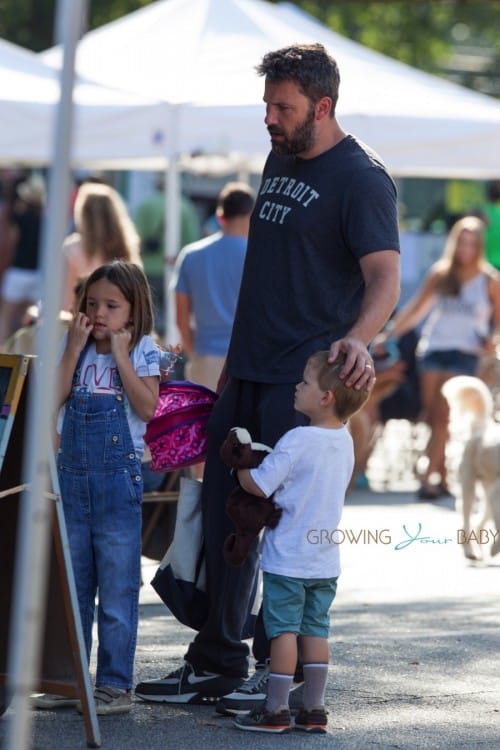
(459,39)
(415,33)
(104,11)
(30,23)
(27,22)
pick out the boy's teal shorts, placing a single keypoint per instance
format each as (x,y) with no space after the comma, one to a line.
(297,605)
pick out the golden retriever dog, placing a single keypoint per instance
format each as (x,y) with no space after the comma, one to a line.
(471,407)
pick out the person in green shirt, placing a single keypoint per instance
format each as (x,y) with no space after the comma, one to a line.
(491,211)
(150,223)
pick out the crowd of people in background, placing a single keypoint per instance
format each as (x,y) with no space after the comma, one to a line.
(21,227)
(100,228)
(205,287)
(252,272)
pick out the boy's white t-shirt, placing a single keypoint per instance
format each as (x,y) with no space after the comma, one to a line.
(309,471)
(99,375)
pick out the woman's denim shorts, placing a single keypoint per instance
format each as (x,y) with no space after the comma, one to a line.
(453,361)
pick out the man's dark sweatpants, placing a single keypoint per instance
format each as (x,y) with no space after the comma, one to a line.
(266,410)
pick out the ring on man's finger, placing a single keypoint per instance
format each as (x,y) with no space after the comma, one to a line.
(368,366)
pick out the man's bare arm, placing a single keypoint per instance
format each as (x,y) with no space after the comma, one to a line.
(381,272)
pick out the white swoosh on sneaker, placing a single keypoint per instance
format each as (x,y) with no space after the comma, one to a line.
(193,678)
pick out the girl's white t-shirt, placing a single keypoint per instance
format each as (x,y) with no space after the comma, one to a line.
(99,375)
(309,471)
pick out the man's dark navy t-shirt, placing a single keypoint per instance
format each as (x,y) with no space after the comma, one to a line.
(302,285)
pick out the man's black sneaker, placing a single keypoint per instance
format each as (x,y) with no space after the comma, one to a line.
(251,694)
(184,685)
(260,720)
(313,721)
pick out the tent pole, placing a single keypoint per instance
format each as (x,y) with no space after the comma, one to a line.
(172,221)
(30,582)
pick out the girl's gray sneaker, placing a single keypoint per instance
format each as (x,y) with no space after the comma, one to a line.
(110,700)
(51,701)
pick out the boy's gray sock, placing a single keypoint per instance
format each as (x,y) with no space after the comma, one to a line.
(315,677)
(278,690)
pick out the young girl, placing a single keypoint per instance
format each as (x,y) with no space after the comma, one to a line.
(108,381)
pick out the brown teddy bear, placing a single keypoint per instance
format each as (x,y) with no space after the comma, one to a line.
(248,512)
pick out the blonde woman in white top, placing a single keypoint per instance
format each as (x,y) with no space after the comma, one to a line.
(460,301)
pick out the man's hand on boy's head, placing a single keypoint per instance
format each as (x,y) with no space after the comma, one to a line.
(358,370)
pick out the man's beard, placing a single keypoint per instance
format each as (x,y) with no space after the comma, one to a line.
(301,139)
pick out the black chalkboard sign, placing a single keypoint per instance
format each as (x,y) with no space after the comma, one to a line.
(64,663)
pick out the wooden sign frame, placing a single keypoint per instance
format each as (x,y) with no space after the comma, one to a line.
(64,667)
(13,372)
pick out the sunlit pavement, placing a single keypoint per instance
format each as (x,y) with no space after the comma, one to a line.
(414,636)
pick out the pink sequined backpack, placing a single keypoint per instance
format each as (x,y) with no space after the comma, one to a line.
(177,434)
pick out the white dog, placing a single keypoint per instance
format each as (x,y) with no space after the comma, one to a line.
(470,400)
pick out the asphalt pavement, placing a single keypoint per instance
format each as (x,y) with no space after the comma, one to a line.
(414,642)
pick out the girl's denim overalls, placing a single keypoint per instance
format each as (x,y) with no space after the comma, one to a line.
(101,488)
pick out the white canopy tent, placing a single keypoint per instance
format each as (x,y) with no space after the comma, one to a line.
(200,57)
(29,93)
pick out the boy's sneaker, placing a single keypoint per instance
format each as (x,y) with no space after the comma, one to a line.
(252,693)
(313,721)
(184,685)
(51,701)
(260,720)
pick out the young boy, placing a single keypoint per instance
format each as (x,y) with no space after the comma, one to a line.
(309,471)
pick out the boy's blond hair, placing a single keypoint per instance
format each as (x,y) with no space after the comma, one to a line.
(348,400)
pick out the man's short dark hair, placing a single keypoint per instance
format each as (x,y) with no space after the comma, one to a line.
(309,66)
(236,199)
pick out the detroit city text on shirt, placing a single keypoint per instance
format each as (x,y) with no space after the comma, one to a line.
(287,186)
